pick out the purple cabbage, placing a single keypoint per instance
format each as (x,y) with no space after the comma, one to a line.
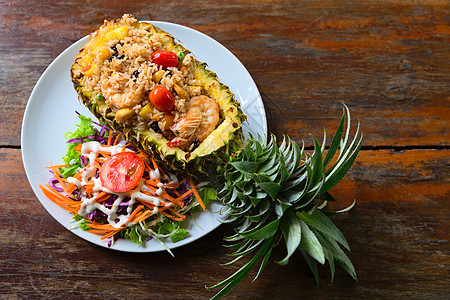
(52,182)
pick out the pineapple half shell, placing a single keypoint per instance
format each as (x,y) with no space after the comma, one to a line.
(214,151)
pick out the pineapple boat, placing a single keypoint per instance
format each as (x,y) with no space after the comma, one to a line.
(135,78)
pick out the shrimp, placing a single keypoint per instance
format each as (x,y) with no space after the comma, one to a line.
(120,99)
(201,119)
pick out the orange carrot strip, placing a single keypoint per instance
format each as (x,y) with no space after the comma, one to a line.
(109,138)
(185,195)
(170,198)
(59,199)
(139,208)
(155,165)
(152,183)
(144,216)
(78,148)
(196,194)
(116,140)
(103,196)
(113,232)
(57,166)
(123,148)
(170,216)
(177,213)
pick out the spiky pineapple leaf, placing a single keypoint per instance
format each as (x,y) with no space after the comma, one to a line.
(245,166)
(271,188)
(336,139)
(263,233)
(310,244)
(323,224)
(278,194)
(233,280)
(312,265)
(292,233)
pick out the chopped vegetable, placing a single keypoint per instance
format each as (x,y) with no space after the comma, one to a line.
(114,191)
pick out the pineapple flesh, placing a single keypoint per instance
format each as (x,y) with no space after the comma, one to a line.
(132,121)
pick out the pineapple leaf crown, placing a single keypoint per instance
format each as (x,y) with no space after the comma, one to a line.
(274,193)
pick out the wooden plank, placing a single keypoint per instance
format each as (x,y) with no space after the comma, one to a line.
(388,61)
(397,232)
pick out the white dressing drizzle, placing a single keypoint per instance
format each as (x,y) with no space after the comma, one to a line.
(88,205)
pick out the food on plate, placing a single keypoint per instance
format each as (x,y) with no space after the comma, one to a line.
(117,191)
(140,82)
(149,89)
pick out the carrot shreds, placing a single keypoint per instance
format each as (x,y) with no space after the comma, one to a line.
(155,166)
(111,233)
(109,138)
(116,140)
(170,216)
(170,198)
(123,148)
(138,209)
(102,196)
(181,197)
(143,216)
(59,199)
(57,166)
(199,199)
(147,203)
(78,148)
(177,213)
(61,181)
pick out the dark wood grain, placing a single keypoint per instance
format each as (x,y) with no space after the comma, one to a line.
(398,234)
(389,61)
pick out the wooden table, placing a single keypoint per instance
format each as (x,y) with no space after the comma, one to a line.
(389,61)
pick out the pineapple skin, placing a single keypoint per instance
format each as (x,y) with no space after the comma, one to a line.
(212,154)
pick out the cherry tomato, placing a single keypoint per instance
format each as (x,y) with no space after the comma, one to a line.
(165,58)
(122,172)
(162,99)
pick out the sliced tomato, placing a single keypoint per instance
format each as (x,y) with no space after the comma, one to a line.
(162,99)
(165,58)
(122,172)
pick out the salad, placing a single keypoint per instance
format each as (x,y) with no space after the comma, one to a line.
(113,190)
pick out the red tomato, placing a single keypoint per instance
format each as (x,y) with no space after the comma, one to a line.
(165,58)
(162,99)
(122,172)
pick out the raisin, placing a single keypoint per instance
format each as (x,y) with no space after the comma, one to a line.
(135,75)
(115,53)
(194,144)
(154,126)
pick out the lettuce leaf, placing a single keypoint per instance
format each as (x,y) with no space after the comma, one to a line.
(173,229)
(72,158)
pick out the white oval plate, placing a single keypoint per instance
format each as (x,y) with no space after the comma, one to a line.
(50,112)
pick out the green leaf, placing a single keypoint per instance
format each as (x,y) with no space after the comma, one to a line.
(335,142)
(333,178)
(312,265)
(263,263)
(168,226)
(245,166)
(271,188)
(263,233)
(69,171)
(179,235)
(133,234)
(292,233)
(337,253)
(310,244)
(319,221)
(237,277)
